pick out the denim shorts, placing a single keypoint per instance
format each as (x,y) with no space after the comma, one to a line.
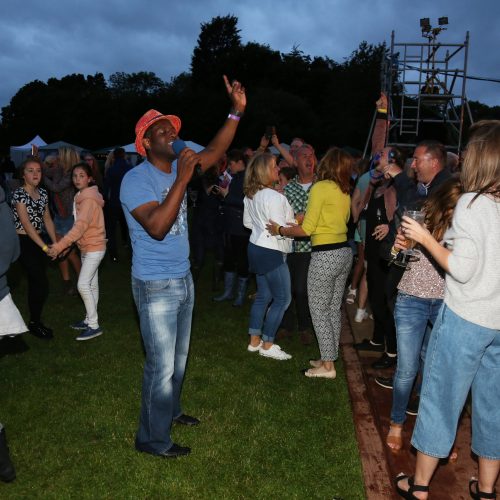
(63,224)
(460,356)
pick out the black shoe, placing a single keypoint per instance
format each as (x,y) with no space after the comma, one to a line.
(368,345)
(173,452)
(386,382)
(186,420)
(7,472)
(40,331)
(385,361)
(412,408)
(176,451)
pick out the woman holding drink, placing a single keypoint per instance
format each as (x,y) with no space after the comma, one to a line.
(420,296)
(464,348)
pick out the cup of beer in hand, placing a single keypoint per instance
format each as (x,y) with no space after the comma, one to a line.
(418,216)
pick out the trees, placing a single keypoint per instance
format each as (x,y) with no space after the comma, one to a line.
(324,101)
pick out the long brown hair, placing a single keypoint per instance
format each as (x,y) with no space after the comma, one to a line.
(257,174)
(481,168)
(440,205)
(336,166)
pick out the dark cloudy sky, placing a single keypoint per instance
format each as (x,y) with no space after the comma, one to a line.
(52,38)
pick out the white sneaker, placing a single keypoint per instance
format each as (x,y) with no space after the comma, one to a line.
(360,315)
(351,295)
(251,348)
(274,352)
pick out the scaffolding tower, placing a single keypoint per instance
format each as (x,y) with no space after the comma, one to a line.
(425,82)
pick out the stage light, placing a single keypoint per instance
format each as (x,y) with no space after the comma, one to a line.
(425,23)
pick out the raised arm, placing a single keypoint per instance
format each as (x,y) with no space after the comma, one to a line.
(222,140)
(283,152)
(380,131)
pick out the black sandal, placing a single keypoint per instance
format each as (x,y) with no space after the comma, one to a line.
(412,488)
(477,495)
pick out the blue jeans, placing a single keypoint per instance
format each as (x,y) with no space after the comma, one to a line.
(412,316)
(461,355)
(165,310)
(272,288)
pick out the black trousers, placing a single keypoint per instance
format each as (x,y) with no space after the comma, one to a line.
(236,254)
(377,276)
(298,265)
(34,261)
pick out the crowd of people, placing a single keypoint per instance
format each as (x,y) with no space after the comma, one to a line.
(418,238)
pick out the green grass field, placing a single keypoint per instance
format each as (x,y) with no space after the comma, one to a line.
(70,410)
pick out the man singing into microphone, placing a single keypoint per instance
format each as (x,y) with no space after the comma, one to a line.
(154,202)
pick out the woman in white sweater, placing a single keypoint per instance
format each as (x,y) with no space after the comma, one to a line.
(266,254)
(464,349)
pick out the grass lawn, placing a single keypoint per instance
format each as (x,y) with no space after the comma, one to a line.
(71,408)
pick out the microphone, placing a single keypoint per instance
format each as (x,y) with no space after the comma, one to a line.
(178,146)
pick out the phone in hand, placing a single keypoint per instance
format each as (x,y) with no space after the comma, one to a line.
(270,131)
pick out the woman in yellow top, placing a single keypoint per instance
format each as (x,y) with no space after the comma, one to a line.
(325,221)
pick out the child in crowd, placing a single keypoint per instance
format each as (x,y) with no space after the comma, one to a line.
(89,234)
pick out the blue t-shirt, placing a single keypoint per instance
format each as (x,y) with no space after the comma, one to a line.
(153,259)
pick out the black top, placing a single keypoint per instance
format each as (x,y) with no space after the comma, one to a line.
(35,208)
(407,189)
(233,207)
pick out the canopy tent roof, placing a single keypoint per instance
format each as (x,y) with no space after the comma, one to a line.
(61,144)
(130,148)
(36,141)
(19,153)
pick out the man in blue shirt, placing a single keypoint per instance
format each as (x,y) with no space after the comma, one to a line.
(153,197)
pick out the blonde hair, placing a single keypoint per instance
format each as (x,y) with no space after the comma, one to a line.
(336,166)
(68,158)
(481,168)
(258,174)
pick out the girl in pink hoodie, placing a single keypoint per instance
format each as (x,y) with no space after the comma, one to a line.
(89,234)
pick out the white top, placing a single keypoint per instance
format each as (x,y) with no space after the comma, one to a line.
(267,204)
(473,283)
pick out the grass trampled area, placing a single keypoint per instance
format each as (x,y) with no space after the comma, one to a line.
(70,409)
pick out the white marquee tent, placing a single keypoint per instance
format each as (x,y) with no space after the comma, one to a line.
(130,148)
(19,153)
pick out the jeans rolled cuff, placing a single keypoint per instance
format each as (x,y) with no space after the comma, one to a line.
(266,338)
(482,455)
(254,331)
(429,453)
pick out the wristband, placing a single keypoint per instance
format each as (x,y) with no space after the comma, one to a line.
(45,248)
(382,110)
(236,113)
(279,231)
(233,117)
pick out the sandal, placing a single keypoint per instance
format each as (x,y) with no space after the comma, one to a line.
(351,295)
(477,495)
(395,443)
(412,487)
